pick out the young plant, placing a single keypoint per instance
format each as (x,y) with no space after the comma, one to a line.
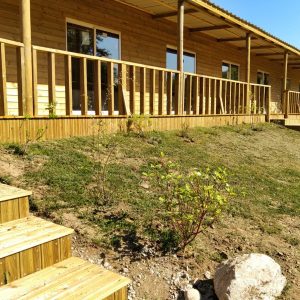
(103,152)
(138,124)
(190,200)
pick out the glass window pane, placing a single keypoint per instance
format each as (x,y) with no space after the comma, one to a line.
(80,39)
(260,78)
(189,61)
(225,70)
(267,79)
(234,72)
(171,59)
(107,44)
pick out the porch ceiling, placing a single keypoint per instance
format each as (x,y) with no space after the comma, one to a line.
(204,17)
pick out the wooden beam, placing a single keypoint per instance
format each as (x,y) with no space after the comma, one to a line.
(294,63)
(26,39)
(248,68)
(285,78)
(269,54)
(282,61)
(258,47)
(173,14)
(235,39)
(180,49)
(210,28)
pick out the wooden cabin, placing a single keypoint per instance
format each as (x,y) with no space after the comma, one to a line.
(66,64)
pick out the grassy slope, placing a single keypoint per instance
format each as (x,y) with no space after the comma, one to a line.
(263,163)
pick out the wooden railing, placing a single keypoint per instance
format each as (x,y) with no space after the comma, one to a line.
(292,103)
(125,87)
(207,95)
(14,53)
(67,83)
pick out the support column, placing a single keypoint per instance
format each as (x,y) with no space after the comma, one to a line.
(285,102)
(248,70)
(180,24)
(26,39)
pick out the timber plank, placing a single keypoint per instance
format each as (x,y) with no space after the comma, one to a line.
(70,279)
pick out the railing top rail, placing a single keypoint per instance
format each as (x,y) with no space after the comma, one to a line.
(11,43)
(92,57)
(293,92)
(225,79)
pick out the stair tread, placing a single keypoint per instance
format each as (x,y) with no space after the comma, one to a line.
(8,192)
(22,234)
(72,278)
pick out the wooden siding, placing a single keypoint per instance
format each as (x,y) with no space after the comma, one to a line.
(21,130)
(144,43)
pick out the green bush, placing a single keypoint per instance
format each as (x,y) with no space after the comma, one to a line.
(190,201)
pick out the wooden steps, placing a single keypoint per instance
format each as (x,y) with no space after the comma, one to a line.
(73,278)
(14,203)
(36,262)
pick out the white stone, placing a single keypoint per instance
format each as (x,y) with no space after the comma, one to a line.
(192,294)
(249,277)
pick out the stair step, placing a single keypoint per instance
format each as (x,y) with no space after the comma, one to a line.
(30,244)
(73,278)
(14,203)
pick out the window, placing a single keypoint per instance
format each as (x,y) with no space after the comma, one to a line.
(189,60)
(230,71)
(263,78)
(92,41)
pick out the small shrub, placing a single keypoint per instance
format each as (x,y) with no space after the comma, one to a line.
(190,201)
(138,124)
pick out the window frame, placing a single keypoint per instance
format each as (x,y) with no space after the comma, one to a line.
(230,63)
(171,47)
(264,73)
(94,28)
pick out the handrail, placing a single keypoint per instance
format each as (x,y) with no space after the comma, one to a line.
(92,57)
(225,79)
(11,43)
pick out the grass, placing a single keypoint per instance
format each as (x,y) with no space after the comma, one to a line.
(263,163)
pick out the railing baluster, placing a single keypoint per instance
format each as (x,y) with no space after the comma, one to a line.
(215,97)
(226,97)
(195,105)
(68,85)
(21,80)
(83,87)
(98,87)
(35,95)
(189,94)
(51,83)
(132,88)
(142,90)
(209,97)
(161,104)
(169,93)
(3,92)
(152,91)
(110,88)
(122,89)
(204,96)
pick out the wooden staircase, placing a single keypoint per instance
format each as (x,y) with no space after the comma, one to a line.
(36,261)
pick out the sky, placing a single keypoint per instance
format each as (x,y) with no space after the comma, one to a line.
(281,18)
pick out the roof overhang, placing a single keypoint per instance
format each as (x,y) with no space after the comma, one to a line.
(203,17)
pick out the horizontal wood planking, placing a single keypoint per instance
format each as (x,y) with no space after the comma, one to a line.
(144,43)
(34,259)
(82,279)
(14,209)
(20,130)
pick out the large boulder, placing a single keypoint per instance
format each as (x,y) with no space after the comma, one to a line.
(249,277)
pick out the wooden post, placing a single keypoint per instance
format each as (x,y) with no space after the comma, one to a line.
(284,96)
(180,24)
(248,70)
(26,39)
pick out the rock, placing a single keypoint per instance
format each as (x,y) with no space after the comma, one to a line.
(192,294)
(249,277)
(207,275)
